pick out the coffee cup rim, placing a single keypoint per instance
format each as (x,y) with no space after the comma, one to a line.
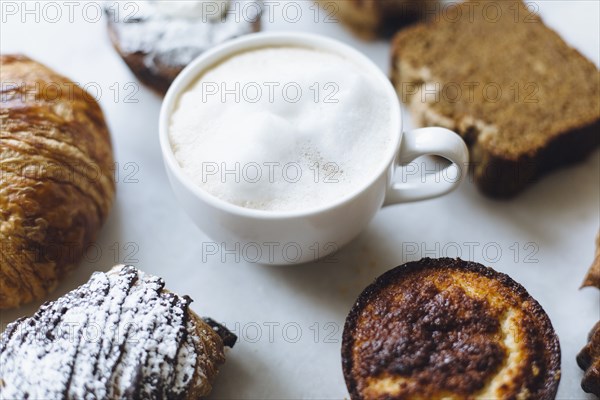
(259,40)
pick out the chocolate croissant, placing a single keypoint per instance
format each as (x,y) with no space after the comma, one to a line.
(119,336)
(56,185)
(160,39)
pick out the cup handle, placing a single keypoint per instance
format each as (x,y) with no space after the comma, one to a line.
(428,141)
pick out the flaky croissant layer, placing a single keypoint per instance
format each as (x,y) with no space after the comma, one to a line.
(56,182)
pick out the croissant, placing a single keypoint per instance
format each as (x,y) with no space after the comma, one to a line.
(119,336)
(56,185)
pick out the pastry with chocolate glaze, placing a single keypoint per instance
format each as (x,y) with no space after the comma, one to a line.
(56,178)
(446,328)
(158,38)
(119,336)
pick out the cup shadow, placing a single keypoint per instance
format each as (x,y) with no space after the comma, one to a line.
(334,283)
(570,194)
(241,373)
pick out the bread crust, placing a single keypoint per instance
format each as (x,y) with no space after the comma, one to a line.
(56,184)
(361,325)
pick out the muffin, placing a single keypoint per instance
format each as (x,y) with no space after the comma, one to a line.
(445,328)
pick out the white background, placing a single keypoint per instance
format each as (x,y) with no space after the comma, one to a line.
(560,215)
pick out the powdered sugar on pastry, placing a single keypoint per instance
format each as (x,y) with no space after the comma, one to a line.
(120,335)
(173,33)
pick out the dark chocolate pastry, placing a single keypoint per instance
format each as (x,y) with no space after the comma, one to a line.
(157,39)
(445,328)
(119,336)
(589,361)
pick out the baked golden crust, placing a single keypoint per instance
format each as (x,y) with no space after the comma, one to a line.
(449,329)
(56,185)
(210,346)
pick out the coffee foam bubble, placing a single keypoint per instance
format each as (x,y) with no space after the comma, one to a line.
(281,151)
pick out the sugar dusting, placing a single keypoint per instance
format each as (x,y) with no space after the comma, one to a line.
(117,336)
(173,33)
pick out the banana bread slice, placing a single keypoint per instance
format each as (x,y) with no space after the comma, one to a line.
(524,101)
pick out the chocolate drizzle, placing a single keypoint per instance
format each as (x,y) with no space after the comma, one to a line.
(225,334)
(117,336)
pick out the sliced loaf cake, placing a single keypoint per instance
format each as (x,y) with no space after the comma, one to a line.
(523,99)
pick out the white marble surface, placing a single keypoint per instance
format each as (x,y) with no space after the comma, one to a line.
(267,305)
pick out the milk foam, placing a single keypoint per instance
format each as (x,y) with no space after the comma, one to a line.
(272,149)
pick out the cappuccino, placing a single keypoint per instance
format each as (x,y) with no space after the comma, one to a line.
(282,128)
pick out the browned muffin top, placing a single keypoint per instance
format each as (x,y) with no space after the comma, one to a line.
(449,329)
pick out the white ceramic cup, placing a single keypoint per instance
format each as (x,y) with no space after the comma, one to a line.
(280,237)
